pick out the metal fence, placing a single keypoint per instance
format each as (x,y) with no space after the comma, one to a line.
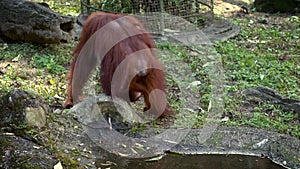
(158,16)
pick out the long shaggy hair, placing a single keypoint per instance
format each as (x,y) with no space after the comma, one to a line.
(129,66)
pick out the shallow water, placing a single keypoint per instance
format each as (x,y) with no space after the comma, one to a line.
(174,161)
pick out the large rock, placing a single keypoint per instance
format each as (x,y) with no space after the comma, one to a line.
(20,107)
(268,94)
(31,22)
(18,152)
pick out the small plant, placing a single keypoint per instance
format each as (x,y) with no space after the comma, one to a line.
(51,63)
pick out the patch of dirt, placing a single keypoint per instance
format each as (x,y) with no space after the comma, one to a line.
(228,8)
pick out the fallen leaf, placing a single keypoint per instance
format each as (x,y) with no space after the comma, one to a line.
(155,158)
(123,155)
(58,166)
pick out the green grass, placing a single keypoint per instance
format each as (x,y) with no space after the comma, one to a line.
(256,57)
(34,67)
(263,55)
(270,117)
(52,63)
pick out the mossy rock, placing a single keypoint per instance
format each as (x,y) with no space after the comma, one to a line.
(22,108)
(18,152)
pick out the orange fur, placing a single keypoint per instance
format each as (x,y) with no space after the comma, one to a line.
(145,79)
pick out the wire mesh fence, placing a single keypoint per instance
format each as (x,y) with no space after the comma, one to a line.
(158,16)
